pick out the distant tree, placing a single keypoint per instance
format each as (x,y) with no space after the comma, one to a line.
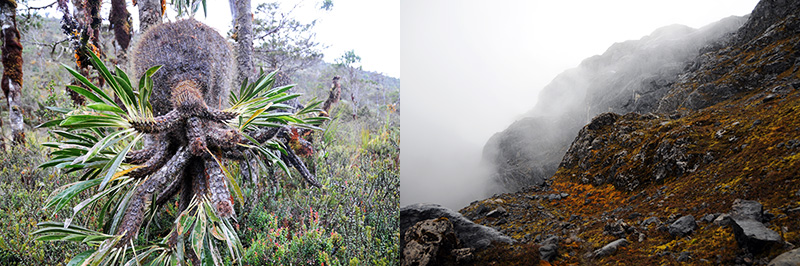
(333,96)
(12,68)
(243,34)
(327,5)
(348,61)
(282,42)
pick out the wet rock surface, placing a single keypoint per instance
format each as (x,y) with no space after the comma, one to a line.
(429,242)
(469,234)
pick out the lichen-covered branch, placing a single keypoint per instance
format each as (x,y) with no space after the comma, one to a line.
(219,193)
(196,136)
(222,136)
(295,161)
(264,133)
(171,189)
(160,124)
(135,211)
(152,143)
(155,161)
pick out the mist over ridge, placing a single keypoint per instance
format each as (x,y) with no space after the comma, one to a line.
(630,76)
(681,148)
(471,69)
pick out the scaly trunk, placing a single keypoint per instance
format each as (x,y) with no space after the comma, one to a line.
(150,12)
(12,67)
(120,22)
(94,19)
(243,30)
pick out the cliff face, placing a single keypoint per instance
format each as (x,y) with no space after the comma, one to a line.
(709,177)
(631,76)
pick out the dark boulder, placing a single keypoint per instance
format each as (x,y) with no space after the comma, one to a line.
(747,209)
(548,249)
(683,226)
(749,231)
(548,252)
(602,120)
(754,236)
(708,218)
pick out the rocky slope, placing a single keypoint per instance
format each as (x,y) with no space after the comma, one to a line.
(711,179)
(631,76)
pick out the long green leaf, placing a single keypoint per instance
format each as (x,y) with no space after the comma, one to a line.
(86,93)
(112,169)
(120,212)
(105,107)
(87,83)
(107,142)
(61,199)
(80,258)
(98,196)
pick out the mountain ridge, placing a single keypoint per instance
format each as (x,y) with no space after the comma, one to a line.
(630,76)
(708,176)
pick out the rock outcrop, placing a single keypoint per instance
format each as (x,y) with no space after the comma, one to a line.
(429,242)
(469,234)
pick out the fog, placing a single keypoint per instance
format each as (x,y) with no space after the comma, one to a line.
(471,68)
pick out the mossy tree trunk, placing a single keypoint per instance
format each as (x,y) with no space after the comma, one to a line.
(121,23)
(243,30)
(333,95)
(93,6)
(150,12)
(12,68)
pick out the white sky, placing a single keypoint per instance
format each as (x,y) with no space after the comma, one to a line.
(370,28)
(470,68)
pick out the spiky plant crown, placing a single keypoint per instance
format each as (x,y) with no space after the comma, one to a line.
(133,162)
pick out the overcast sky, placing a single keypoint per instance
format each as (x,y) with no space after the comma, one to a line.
(370,28)
(470,68)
